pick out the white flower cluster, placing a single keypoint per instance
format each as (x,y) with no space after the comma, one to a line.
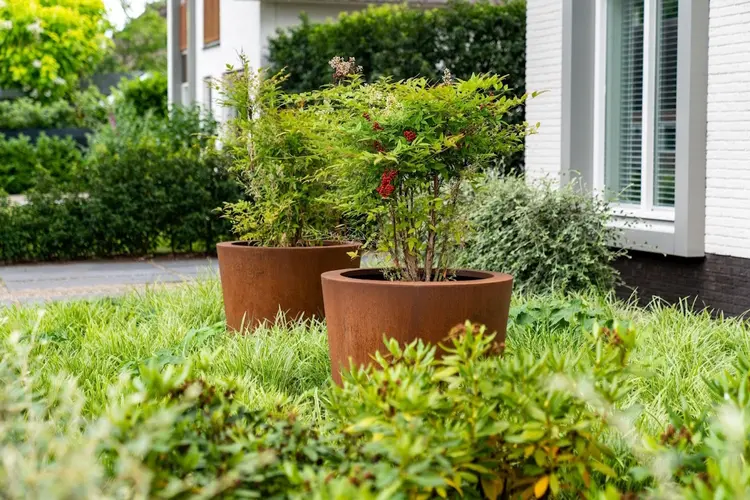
(35,27)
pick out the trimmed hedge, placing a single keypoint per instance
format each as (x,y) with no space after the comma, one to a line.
(399,42)
(23,162)
(149,183)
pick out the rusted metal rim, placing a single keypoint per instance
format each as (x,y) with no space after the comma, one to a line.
(327,245)
(368,277)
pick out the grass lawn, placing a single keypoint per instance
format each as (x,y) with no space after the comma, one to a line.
(287,365)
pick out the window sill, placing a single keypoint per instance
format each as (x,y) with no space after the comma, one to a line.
(211,45)
(655,236)
(656,214)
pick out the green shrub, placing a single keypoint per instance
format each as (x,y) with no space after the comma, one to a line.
(23,162)
(145,94)
(470,425)
(27,113)
(546,238)
(277,163)
(401,42)
(147,182)
(86,108)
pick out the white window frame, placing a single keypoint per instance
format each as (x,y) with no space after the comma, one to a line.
(646,210)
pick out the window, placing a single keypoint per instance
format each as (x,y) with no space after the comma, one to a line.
(211,22)
(640,104)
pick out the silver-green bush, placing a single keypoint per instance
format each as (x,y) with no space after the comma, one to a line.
(547,238)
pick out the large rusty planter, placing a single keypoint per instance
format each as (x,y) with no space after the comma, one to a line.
(257,282)
(361,306)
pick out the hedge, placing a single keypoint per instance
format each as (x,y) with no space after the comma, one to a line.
(396,41)
(23,162)
(400,42)
(149,183)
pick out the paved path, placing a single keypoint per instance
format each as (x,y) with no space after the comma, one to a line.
(40,282)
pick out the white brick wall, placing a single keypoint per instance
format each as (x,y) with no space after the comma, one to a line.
(544,73)
(728,129)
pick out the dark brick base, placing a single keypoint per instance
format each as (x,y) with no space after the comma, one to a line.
(716,282)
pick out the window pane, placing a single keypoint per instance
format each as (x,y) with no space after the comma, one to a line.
(624,109)
(666,103)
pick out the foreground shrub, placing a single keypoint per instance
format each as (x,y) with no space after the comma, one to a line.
(470,424)
(547,238)
(145,183)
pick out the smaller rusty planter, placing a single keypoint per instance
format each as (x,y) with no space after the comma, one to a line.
(361,306)
(257,282)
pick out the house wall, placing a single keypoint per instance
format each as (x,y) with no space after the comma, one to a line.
(728,129)
(544,66)
(246,26)
(285,15)
(239,25)
(721,279)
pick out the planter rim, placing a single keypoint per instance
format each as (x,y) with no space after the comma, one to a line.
(241,246)
(481,278)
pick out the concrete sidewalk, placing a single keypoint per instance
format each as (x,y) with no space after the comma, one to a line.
(41,282)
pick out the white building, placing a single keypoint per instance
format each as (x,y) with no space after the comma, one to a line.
(651,99)
(206,35)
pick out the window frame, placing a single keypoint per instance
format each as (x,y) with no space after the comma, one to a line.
(646,209)
(581,155)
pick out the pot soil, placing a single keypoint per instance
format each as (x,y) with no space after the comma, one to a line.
(258,282)
(362,306)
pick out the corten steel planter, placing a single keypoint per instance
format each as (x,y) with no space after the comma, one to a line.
(361,306)
(257,281)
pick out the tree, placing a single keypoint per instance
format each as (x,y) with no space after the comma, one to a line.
(47,46)
(141,45)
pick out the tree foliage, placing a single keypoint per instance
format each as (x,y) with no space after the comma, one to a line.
(46,47)
(141,45)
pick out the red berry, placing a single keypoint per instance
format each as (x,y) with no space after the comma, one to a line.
(379,147)
(376,126)
(410,135)
(366,116)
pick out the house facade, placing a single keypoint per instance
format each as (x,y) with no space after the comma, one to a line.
(647,102)
(203,36)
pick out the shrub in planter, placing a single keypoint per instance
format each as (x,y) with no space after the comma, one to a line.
(547,238)
(286,225)
(405,152)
